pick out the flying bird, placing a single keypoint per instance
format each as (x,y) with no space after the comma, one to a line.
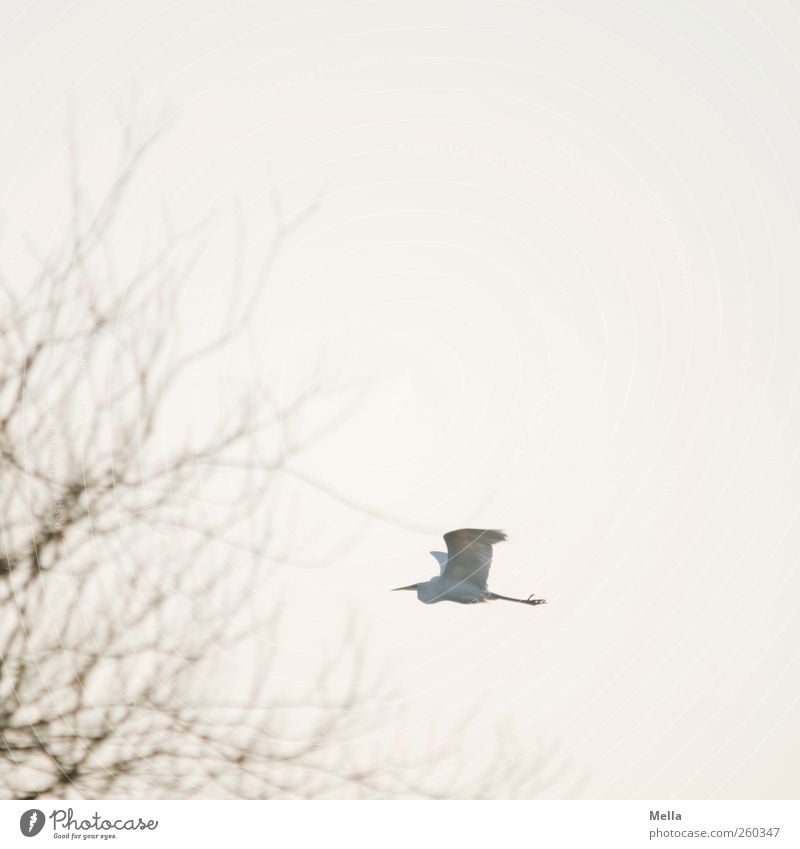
(464,569)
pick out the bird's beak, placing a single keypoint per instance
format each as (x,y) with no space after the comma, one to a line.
(410,587)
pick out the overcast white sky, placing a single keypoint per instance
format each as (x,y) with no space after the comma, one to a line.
(558,241)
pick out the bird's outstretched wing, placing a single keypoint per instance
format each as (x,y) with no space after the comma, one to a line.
(441,559)
(469,554)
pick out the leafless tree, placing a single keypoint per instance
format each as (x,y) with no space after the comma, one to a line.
(130,558)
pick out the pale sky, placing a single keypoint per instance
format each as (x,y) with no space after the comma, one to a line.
(558,244)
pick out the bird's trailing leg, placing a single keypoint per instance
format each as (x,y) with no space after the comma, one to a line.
(529,600)
(532,600)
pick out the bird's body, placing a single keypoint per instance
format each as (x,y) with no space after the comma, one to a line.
(448,589)
(464,570)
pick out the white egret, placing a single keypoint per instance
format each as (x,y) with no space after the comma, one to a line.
(464,569)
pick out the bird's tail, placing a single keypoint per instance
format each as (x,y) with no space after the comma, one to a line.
(529,600)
